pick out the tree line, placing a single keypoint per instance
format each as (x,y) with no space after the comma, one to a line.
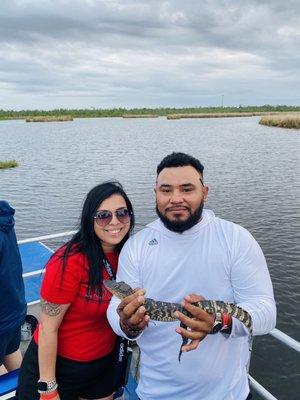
(161,111)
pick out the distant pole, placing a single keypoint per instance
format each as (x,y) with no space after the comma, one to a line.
(222,100)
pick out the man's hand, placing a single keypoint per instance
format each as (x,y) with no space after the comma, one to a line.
(198,327)
(133,318)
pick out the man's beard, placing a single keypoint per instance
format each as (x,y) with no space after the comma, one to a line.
(181,226)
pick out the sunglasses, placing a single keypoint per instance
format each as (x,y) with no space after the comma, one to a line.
(104,217)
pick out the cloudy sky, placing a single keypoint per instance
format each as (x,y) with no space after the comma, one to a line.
(148,53)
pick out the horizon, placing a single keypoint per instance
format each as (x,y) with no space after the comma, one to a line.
(151,108)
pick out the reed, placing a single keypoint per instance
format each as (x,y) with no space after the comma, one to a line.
(291,121)
(209,115)
(50,118)
(8,164)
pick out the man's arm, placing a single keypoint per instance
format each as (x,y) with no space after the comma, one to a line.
(252,286)
(252,290)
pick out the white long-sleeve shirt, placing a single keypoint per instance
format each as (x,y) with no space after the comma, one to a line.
(220,261)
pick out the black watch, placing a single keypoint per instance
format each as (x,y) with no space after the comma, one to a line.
(46,387)
(42,386)
(217,326)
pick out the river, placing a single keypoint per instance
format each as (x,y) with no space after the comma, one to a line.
(252,172)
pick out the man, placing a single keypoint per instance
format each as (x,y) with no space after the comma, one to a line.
(12,298)
(189,250)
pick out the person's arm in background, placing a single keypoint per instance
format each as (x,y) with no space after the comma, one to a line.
(2,368)
(1,251)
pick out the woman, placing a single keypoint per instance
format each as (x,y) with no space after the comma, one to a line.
(71,354)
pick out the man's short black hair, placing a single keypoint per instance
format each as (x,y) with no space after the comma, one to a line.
(179,160)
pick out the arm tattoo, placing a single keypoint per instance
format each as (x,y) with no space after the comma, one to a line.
(50,309)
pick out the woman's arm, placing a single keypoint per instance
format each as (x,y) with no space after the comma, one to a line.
(50,319)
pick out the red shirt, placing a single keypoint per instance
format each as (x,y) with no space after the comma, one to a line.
(84,333)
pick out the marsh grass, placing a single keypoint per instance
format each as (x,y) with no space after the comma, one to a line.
(8,164)
(291,121)
(210,115)
(50,118)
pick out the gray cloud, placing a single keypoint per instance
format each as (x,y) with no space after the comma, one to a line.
(76,53)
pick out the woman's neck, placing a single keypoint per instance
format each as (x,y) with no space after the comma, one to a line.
(108,248)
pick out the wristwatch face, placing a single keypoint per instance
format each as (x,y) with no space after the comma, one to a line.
(216,327)
(42,386)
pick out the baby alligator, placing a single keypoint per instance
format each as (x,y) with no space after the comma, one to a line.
(164,311)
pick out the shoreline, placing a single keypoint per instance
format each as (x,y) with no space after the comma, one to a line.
(168,112)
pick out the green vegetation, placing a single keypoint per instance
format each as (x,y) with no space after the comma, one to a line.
(50,118)
(8,164)
(160,112)
(291,121)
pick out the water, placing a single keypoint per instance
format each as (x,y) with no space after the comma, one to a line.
(252,172)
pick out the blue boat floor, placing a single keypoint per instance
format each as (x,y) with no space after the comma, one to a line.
(34,258)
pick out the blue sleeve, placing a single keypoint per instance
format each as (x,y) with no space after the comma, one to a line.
(1,245)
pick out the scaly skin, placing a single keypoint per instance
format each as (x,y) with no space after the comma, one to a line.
(164,311)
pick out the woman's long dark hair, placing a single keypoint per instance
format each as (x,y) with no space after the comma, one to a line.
(86,241)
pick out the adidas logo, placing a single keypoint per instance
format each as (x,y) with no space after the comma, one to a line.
(153,242)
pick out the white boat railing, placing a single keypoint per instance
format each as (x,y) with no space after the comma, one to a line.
(276,333)
(46,237)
